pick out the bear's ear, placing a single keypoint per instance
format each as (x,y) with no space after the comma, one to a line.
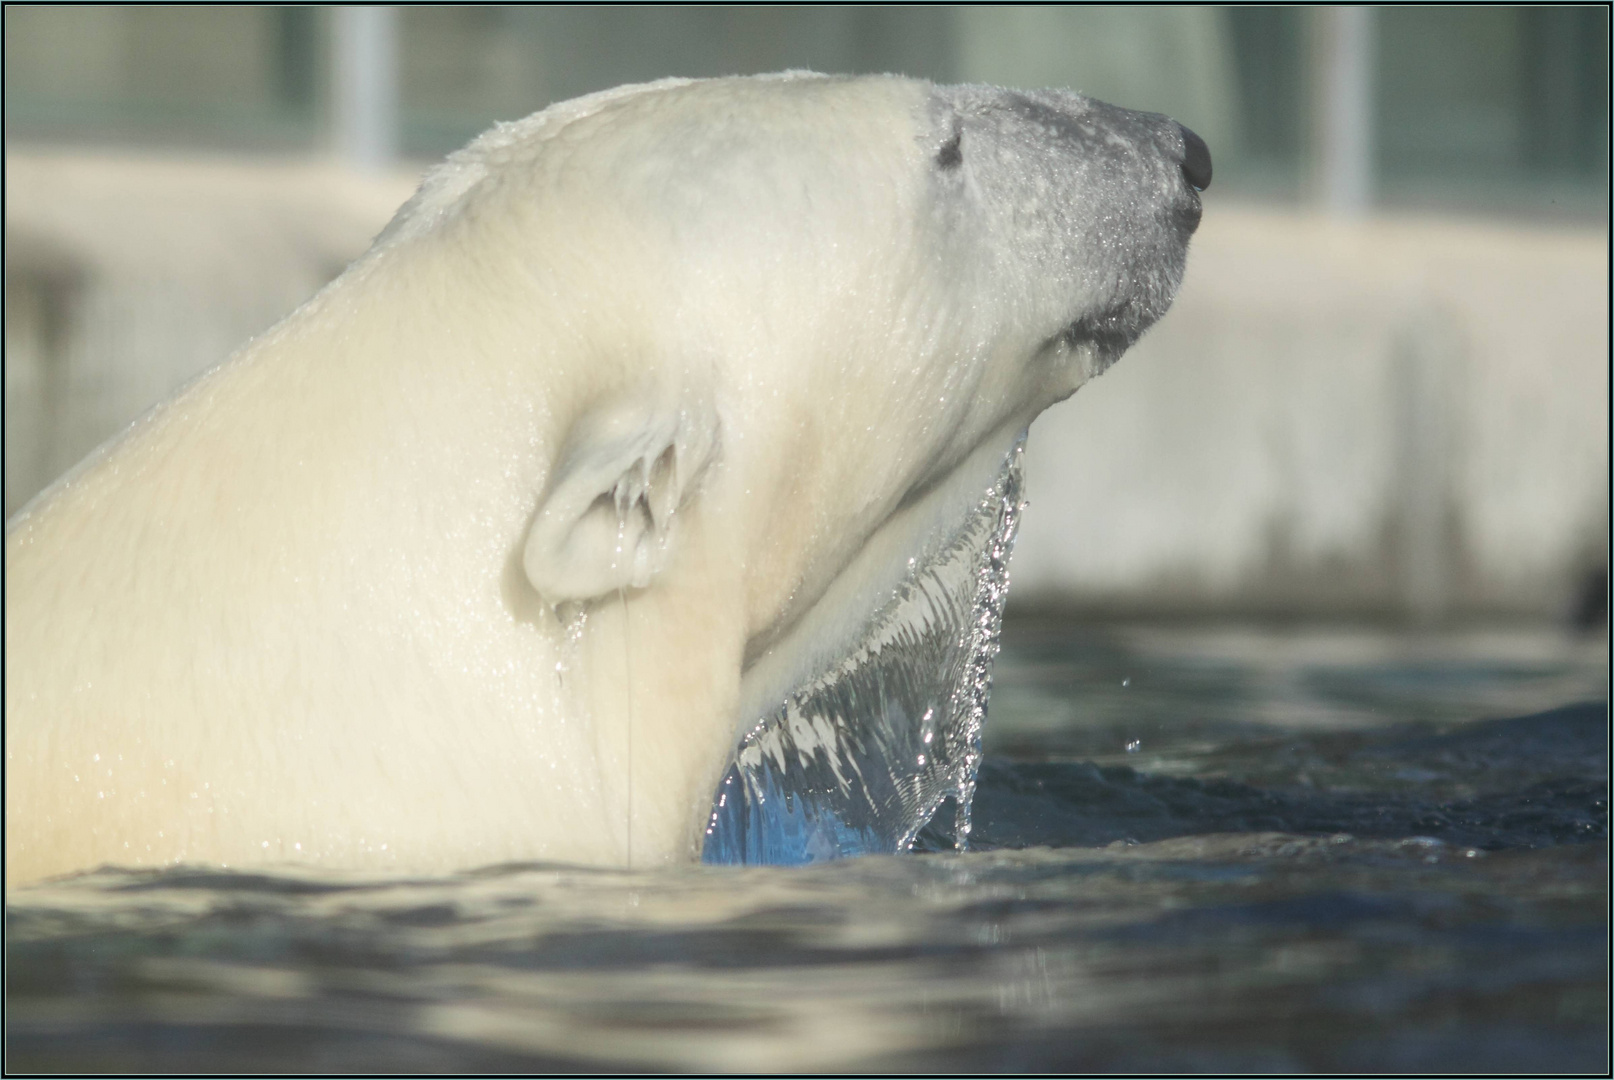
(605,520)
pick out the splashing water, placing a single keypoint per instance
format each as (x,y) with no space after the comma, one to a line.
(861,758)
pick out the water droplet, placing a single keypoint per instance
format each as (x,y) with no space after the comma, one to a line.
(1126,681)
(1134,746)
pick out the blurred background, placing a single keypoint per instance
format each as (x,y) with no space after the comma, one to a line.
(1382,394)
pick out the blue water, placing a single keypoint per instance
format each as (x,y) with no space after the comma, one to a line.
(1218,848)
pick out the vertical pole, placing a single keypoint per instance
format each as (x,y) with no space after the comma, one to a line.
(364,81)
(1429,352)
(1345,136)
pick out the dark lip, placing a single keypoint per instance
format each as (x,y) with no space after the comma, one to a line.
(1112,332)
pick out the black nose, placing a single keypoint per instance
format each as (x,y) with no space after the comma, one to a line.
(1196,162)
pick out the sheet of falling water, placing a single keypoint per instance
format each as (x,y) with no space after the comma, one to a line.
(1218,849)
(860,760)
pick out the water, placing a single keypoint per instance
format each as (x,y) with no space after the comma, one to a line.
(860,759)
(1215,848)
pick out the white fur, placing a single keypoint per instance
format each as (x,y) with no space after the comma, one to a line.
(489,551)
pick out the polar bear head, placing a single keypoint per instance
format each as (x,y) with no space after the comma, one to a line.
(809,313)
(696,363)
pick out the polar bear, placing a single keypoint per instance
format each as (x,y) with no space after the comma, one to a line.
(486,552)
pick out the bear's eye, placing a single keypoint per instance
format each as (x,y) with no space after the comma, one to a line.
(951,154)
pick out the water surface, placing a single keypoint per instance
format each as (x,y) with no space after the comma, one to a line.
(1194,849)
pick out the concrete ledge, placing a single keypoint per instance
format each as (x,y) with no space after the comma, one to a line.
(1398,417)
